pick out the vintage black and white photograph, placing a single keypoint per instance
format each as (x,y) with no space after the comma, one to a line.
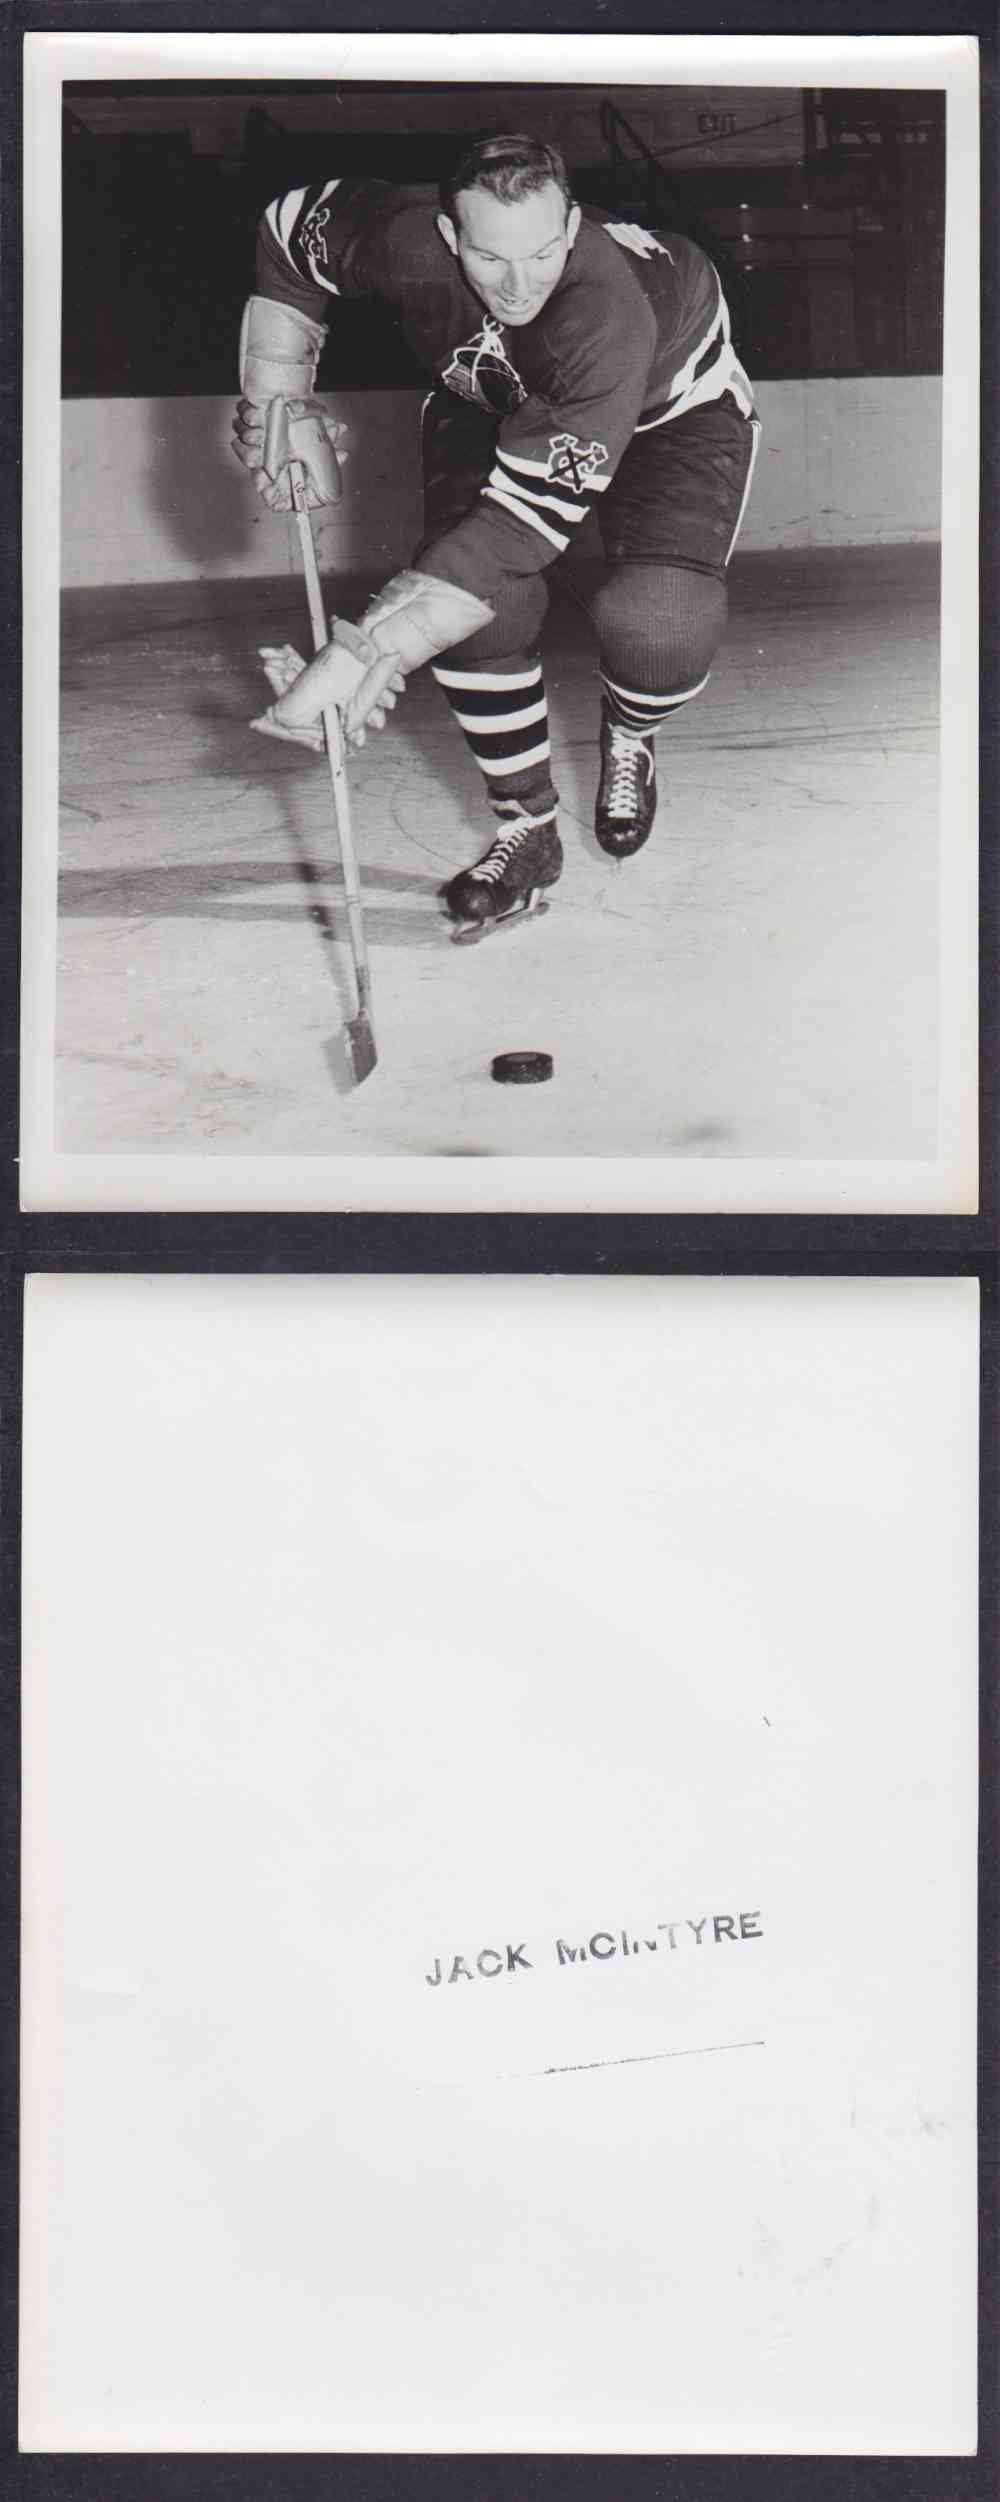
(497,754)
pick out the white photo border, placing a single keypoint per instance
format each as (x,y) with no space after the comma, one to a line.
(944,1184)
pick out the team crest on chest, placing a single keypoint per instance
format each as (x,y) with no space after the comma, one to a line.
(481,370)
(573,463)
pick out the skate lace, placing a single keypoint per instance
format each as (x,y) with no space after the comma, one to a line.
(626,750)
(502,852)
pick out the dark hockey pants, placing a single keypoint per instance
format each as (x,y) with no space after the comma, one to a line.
(668,523)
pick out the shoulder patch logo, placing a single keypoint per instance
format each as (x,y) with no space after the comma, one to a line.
(637,239)
(312,237)
(572,462)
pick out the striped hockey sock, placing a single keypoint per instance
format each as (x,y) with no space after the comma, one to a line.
(504,715)
(643,713)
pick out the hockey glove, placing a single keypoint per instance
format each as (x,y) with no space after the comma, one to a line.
(360,680)
(279,354)
(418,616)
(408,623)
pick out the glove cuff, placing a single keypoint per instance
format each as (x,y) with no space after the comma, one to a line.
(279,351)
(416,617)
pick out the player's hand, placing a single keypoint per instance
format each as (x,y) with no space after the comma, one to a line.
(382,680)
(350,673)
(312,438)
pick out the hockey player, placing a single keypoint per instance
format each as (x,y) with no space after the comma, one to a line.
(579,365)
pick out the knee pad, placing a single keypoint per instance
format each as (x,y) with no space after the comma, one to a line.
(519,608)
(660,627)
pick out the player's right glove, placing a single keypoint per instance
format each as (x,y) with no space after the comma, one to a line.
(279,354)
(364,667)
(359,679)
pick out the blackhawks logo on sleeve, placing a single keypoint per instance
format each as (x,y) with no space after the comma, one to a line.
(572,463)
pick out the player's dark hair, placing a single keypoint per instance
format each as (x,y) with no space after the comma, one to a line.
(511,164)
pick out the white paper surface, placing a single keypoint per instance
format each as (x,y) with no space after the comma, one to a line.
(375,1623)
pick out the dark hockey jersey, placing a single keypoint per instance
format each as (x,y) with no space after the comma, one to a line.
(635,334)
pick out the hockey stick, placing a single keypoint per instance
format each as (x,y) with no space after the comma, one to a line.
(360,1030)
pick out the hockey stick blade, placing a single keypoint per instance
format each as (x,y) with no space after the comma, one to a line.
(361,1045)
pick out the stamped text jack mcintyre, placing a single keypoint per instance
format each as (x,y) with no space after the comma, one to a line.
(717,1928)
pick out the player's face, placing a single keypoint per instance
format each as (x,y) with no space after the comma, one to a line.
(513,252)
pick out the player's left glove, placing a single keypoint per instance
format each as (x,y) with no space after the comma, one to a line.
(279,354)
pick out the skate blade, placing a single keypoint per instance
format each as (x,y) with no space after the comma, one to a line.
(469,933)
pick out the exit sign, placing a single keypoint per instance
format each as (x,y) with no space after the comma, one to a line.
(719,126)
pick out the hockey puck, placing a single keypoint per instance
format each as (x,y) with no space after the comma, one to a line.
(522,1068)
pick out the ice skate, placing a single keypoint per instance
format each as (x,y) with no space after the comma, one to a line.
(508,882)
(626,798)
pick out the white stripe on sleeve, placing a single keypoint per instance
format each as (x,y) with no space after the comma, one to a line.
(523,512)
(594,485)
(548,503)
(282,217)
